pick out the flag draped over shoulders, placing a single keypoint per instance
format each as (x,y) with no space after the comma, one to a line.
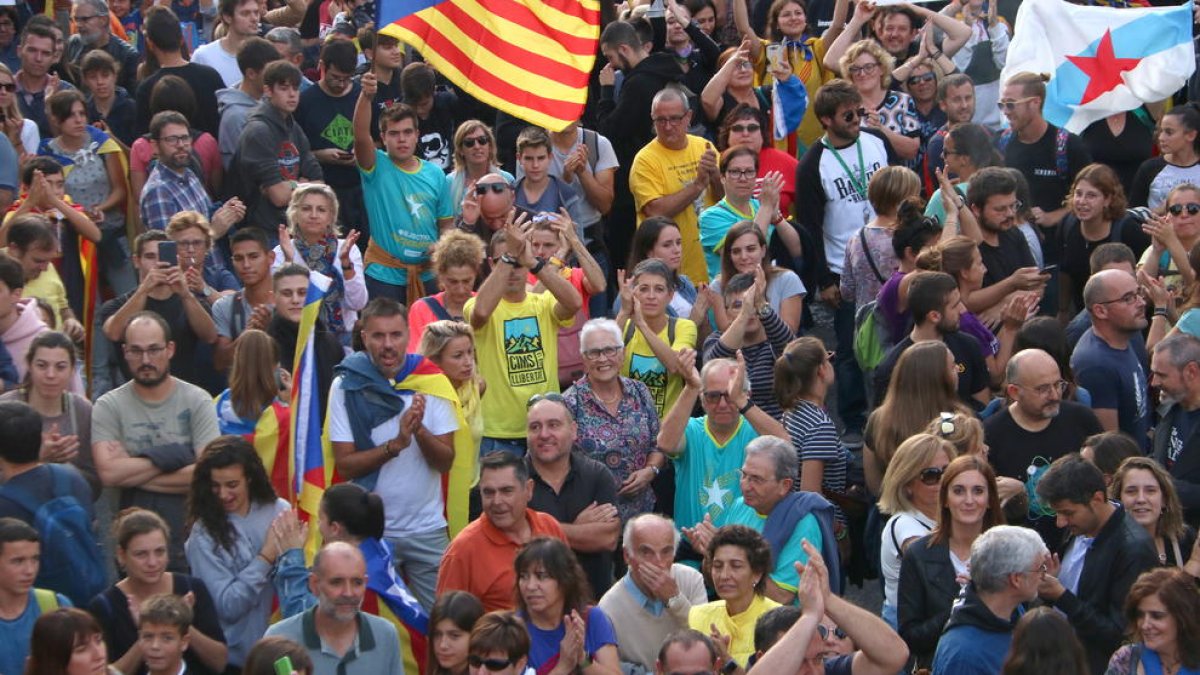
(1101,60)
(529,58)
(389,598)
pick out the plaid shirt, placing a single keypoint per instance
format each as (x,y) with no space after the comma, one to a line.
(167,193)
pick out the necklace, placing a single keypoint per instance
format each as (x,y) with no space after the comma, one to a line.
(607,402)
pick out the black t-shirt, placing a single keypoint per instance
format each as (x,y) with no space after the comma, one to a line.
(972,369)
(1074,250)
(1011,255)
(203,80)
(387,94)
(1124,152)
(1039,162)
(436,142)
(185,365)
(328,122)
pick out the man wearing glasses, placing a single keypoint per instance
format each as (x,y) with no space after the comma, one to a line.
(95,32)
(147,433)
(1105,362)
(1038,427)
(174,184)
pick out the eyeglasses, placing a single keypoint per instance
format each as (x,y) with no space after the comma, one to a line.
(1009,104)
(481,189)
(537,398)
(714,397)
(668,120)
(1128,299)
(1014,207)
(1044,390)
(600,352)
(865,69)
(478,140)
(932,475)
(1040,570)
(745,128)
(181,139)
(741,174)
(743,65)
(494,665)
(10,87)
(946,426)
(918,79)
(137,353)
(824,632)
(851,115)
(338,80)
(1192,208)
(753,480)
(82,19)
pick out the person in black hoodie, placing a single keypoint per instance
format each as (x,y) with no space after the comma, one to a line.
(1007,566)
(1103,556)
(291,288)
(626,119)
(273,153)
(1175,370)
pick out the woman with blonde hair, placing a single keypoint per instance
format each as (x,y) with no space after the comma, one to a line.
(909,494)
(1148,494)
(457,261)
(21,132)
(474,157)
(868,66)
(923,384)
(451,346)
(312,239)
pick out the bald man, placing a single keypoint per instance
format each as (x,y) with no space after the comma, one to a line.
(1038,427)
(338,635)
(486,205)
(1105,361)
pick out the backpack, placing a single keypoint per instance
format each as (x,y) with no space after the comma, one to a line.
(1061,165)
(871,338)
(630,329)
(71,562)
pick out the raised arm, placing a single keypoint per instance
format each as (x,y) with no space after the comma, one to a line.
(364,144)
(863,12)
(957,32)
(741,19)
(670,434)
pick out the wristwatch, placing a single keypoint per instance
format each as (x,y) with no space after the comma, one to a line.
(746,408)
(537,267)
(730,667)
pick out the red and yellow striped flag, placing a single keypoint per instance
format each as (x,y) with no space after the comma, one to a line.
(529,58)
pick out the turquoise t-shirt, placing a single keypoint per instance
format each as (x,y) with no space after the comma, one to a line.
(404,208)
(1190,322)
(715,222)
(706,474)
(935,209)
(784,575)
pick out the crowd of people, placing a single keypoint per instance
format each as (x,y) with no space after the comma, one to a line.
(807,299)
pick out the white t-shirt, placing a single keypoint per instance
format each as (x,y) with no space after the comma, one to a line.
(899,528)
(411,489)
(215,56)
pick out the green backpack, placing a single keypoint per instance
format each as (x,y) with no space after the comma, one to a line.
(871,339)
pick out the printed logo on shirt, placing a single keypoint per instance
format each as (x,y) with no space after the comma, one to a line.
(1174,447)
(717,494)
(289,161)
(523,351)
(650,372)
(435,149)
(339,131)
(845,187)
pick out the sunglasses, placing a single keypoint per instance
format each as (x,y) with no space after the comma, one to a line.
(1011,105)
(851,115)
(494,665)
(745,128)
(481,189)
(918,79)
(1192,208)
(10,87)
(824,632)
(478,140)
(537,398)
(932,475)
(715,397)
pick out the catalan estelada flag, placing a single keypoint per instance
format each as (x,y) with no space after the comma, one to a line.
(269,434)
(310,454)
(529,58)
(389,598)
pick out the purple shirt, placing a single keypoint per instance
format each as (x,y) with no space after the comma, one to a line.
(971,325)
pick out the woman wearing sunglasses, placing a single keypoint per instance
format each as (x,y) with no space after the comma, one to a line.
(1172,237)
(934,567)
(474,158)
(567,633)
(910,493)
(499,645)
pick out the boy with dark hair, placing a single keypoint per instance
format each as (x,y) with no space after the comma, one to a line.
(436,112)
(537,190)
(34,81)
(109,106)
(250,307)
(235,102)
(273,154)
(240,18)
(385,58)
(19,560)
(163,624)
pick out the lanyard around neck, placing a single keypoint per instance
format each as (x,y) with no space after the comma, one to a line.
(860,183)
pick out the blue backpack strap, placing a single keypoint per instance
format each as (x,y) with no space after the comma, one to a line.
(1004,139)
(1060,152)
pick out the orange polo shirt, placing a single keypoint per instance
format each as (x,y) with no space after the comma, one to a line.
(480,560)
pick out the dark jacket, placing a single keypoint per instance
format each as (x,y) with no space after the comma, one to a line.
(1121,551)
(626,122)
(1186,467)
(273,149)
(122,52)
(926,592)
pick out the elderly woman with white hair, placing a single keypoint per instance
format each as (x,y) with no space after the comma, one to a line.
(616,416)
(311,238)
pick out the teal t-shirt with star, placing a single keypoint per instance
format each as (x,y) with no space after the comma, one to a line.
(784,574)
(405,207)
(706,472)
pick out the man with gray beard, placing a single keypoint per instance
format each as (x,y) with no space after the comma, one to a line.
(1038,427)
(1175,370)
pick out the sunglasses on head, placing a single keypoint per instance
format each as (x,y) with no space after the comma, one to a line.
(471,142)
(494,665)
(824,632)
(481,189)
(932,475)
(851,115)
(1192,208)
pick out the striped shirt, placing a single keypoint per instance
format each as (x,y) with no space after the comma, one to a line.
(815,438)
(760,360)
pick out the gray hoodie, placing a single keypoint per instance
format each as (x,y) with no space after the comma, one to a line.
(233,105)
(271,149)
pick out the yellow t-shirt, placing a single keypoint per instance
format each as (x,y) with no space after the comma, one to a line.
(659,171)
(642,365)
(517,352)
(812,73)
(49,287)
(739,628)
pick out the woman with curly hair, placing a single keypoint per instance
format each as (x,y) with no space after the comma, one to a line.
(238,530)
(738,560)
(457,261)
(1163,614)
